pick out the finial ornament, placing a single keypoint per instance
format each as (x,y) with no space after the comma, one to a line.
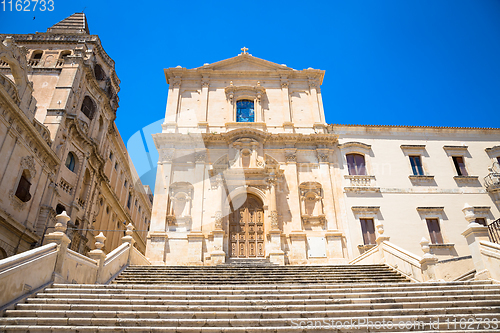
(244,49)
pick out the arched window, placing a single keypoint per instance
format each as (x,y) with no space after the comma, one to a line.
(129,201)
(88,107)
(64,54)
(36,55)
(60,208)
(245,111)
(23,188)
(99,72)
(356,164)
(71,161)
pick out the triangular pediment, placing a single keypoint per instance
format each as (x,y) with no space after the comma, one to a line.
(244,62)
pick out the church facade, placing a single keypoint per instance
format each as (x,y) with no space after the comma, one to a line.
(249,169)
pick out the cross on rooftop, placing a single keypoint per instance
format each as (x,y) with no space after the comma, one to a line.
(244,49)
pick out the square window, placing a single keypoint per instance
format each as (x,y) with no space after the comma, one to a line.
(434,231)
(368,230)
(481,221)
(459,163)
(416,165)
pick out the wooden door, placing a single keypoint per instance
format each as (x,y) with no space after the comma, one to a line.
(246,230)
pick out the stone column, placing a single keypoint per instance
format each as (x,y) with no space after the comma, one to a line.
(195,236)
(428,262)
(286,101)
(99,256)
(199,181)
(171,112)
(62,240)
(313,86)
(276,254)
(326,182)
(474,234)
(218,256)
(293,187)
(157,235)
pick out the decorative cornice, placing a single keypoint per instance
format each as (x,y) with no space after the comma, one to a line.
(365,208)
(354,144)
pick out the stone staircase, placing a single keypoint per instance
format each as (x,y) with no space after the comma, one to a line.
(265,298)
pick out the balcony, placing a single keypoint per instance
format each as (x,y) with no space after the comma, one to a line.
(492,180)
(361,183)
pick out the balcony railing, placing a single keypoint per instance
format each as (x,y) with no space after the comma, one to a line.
(492,180)
(361,183)
(494,231)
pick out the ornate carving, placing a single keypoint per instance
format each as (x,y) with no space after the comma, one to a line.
(218,221)
(84,127)
(291,157)
(274,220)
(166,156)
(322,157)
(176,82)
(28,162)
(205,84)
(200,157)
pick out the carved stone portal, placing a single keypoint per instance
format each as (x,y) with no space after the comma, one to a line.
(246,230)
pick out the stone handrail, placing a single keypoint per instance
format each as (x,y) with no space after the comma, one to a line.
(11,89)
(34,270)
(114,262)
(388,253)
(26,257)
(490,255)
(137,258)
(43,130)
(26,272)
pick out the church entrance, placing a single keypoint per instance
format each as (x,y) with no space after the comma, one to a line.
(246,230)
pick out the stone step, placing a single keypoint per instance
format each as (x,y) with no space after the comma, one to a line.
(259,308)
(267,296)
(242,323)
(218,282)
(327,328)
(278,313)
(112,299)
(371,286)
(267,275)
(255,299)
(218,269)
(339,292)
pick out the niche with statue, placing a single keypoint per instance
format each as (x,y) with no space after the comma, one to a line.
(180,202)
(311,204)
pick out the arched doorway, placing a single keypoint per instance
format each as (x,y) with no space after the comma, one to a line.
(246,230)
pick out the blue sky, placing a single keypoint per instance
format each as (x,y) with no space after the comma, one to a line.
(423,62)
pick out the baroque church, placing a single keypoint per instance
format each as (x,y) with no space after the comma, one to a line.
(265,218)
(249,170)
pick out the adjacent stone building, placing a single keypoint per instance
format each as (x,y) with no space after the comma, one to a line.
(249,169)
(60,148)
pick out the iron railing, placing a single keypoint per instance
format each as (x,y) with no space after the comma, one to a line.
(494,231)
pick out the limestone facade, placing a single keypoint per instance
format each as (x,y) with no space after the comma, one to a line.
(58,106)
(249,169)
